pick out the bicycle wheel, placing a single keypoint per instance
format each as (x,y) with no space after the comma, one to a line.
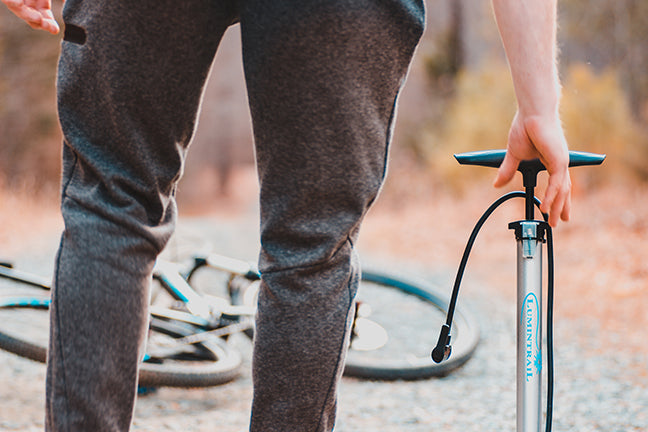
(396,328)
(24,331)
(24,326)
(169,363)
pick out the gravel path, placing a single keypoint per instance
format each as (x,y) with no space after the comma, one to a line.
(596,389)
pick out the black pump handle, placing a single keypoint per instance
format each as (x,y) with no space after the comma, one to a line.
(528,168)
(494,158)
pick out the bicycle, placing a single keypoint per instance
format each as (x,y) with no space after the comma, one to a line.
(198,307)
(530,235)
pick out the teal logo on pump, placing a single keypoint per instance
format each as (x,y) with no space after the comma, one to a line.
(530,321)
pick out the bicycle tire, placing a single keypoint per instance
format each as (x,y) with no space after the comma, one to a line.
(211,362)
(406,354)
(33,311)
(412,335)
(207,363)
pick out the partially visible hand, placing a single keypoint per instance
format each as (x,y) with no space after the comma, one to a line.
(540,137)
(37,13)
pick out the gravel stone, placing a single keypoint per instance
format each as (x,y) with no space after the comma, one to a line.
(596,390)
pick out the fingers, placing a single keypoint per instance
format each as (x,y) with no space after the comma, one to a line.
(37,13)
(549,140)
(506,171)
(50,25)
(48,22)
(566,208)
(557,199)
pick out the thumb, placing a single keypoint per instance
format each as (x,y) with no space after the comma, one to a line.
(506,171)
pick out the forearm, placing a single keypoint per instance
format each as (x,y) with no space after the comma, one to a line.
(528,32)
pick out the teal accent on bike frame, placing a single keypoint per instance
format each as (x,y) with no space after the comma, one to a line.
(26,302)
(176,291)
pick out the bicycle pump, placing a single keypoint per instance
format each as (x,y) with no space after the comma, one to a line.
(529,235)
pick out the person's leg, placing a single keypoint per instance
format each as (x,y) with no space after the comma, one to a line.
(129,85)
(322,77)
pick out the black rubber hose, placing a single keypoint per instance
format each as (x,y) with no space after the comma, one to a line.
(442,350)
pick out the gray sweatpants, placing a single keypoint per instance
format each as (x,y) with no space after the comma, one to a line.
(322,80)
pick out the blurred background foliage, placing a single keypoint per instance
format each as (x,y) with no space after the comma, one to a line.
(29,131)
(459,97)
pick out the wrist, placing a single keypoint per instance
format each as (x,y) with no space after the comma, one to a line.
(542,100)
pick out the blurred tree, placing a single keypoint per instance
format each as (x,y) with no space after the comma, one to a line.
(436,105)
(448,58)
(606,33)
(29,137)
(597,117)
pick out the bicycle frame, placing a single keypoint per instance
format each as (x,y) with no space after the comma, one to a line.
(7,271)
(191,349)
(204,312)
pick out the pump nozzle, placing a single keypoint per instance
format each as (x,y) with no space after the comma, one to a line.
(443,349)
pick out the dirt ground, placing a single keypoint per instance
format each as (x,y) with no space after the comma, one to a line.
(419,226)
